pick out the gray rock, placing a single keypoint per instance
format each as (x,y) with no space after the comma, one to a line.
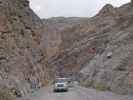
(81,47)
(21,55)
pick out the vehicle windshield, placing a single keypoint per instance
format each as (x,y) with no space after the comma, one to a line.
(60,80)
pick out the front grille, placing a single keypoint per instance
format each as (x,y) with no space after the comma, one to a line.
(60,85)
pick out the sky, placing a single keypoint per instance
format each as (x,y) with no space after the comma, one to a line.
(71,8)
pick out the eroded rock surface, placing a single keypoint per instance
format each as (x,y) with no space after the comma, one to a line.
(22,59)
(83,46)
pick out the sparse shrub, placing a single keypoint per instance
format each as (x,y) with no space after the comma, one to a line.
(46,82)
(100,86)
(97,85)
(86,83)
(6,95)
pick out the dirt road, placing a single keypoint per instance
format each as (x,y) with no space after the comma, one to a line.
(76,93)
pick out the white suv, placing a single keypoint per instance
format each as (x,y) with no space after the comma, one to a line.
(60,84)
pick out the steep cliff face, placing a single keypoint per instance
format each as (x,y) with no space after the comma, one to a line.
(98,49)
(22,59)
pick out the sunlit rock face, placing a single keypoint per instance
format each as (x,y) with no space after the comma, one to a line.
(22,59)
(85,43)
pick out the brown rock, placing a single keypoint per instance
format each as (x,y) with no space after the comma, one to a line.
(21,55)
(85,44)
(3,24)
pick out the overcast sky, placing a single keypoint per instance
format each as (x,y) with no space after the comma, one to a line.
(70,8)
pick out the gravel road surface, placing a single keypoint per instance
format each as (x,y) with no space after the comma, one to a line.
(75,93)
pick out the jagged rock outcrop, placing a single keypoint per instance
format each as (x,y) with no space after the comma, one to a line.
(96,50)
(22,57)
(107,10)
